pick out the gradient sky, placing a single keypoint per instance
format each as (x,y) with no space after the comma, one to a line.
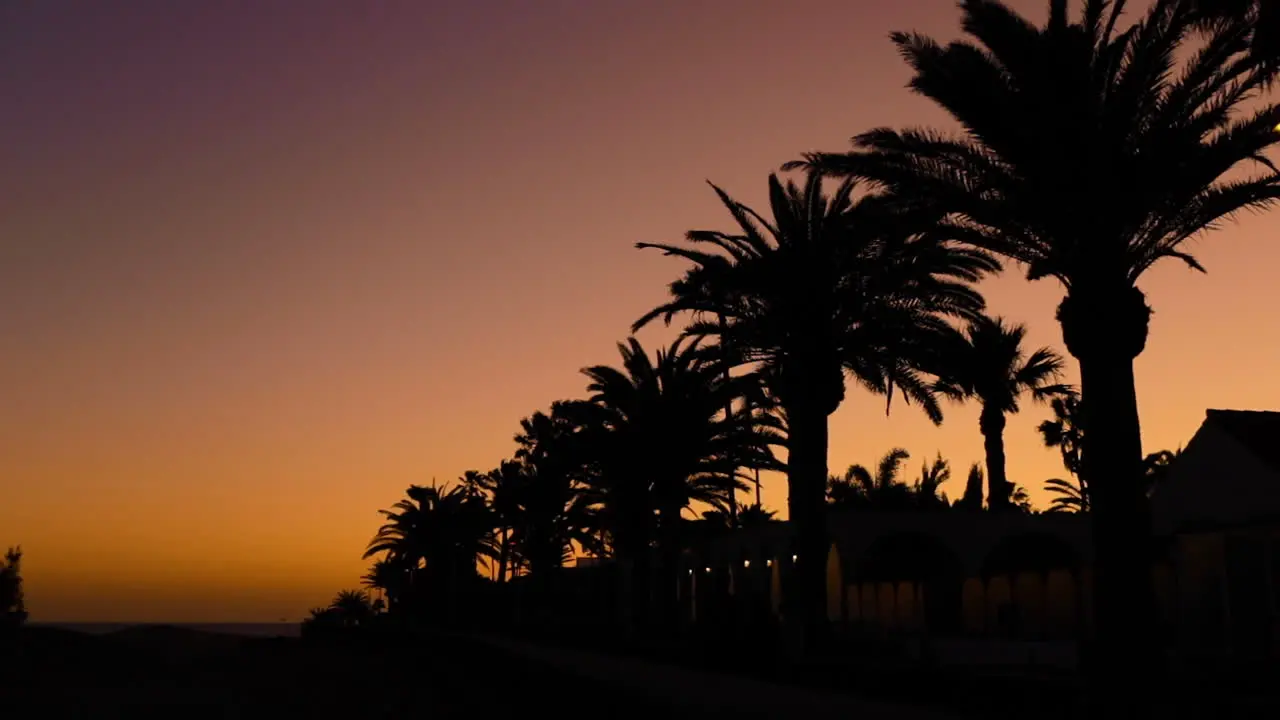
(263,264)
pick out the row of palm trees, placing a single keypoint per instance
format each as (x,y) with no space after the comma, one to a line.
(616,474)
(1088,151)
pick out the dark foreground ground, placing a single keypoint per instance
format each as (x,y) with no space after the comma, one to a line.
(171,673)
(160,672)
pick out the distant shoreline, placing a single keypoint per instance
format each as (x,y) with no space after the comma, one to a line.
(264,629)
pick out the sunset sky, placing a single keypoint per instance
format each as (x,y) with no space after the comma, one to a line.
(263,264)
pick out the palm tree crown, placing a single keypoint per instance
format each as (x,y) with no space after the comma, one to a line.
(1080,115)
(832,282)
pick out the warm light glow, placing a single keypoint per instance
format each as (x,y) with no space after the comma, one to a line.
(768,563)
(793,558)
(746,563)
(708,569)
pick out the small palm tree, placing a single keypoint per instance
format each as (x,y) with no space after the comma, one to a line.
(1157,466)
(1065,431)
(1019,500)
(973,488)
(13,610)
(352,608)
(990,366)
(928,487)
(881,490)
(443,535)
(755,515)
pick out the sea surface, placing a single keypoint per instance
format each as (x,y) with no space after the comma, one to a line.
(271,629)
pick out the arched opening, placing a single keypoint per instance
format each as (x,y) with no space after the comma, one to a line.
(918,580)
(1033,587)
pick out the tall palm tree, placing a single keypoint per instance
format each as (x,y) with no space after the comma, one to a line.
(672,443)
(830,284)
(990,366)
(551,513)
(1090,152)
(500,487)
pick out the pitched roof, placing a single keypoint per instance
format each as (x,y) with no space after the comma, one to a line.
(1257,430)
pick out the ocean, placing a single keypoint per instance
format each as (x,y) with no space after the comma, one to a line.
(272,629)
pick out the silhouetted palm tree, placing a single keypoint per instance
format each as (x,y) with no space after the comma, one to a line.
(990,366)
(830,284)
(755,515)
(1065,431)
(352,608)
(441,534)
(927,490)
(881,490)
(670,441)
(390,576)
(500,487)
(1089,153)
(13,609)
(748,516)
(551,513)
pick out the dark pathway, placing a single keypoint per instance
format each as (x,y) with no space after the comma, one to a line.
(60,676)
(708,694)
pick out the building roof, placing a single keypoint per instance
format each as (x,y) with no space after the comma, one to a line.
(1257,430)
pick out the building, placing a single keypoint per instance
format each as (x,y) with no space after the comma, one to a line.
(1220,509)
(1014,588)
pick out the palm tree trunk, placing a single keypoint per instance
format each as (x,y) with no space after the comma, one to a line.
(728,415)
(1106,336)
(504,554)
(992,423)
(806,484)
(1112,461)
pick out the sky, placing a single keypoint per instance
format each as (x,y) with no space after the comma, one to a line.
(263,264)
